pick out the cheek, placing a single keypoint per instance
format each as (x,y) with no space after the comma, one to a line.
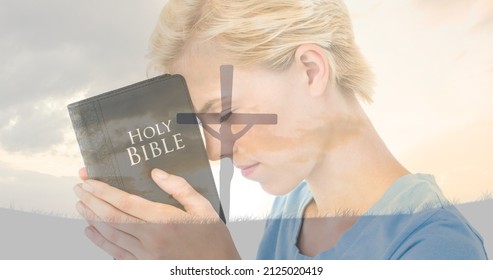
(278,144)
(286,158)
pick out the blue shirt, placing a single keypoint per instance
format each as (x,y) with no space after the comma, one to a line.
(412,220)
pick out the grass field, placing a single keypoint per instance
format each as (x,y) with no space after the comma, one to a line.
(38,236)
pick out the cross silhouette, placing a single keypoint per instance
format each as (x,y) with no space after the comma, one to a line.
(225,135)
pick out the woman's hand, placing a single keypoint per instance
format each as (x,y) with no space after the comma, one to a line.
(130,227)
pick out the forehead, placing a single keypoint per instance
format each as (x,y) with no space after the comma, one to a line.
(199,63)
(252,86)
(202,76)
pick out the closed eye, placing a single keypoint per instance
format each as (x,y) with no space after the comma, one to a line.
(225,116)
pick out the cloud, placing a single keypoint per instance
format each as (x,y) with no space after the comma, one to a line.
(35,192)
(461,159)
(432,60)
(53,50)
(476,14)
(29,129)
(441,11)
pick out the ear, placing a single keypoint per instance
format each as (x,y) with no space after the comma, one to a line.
(310,59)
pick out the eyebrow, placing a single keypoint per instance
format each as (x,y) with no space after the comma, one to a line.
(211,103)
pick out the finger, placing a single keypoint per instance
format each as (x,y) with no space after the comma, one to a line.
(102,210)
(133,205)
(94,220)
(193,202)
(83,174)
(115,251)
(120,238)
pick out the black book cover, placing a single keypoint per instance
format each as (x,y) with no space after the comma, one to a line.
(125,133)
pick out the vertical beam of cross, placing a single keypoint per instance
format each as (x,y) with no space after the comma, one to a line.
(225,135)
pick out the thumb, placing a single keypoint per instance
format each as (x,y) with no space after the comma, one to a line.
(193,202)
(83,174)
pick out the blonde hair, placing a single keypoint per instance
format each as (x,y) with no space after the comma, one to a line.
(264,33)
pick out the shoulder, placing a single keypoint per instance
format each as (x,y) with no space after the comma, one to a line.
(422,224)
(431,227)
(410,194)
(431,234)
(441,233)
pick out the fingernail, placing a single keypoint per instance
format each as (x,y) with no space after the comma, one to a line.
(87,187)
(160,174)
(78,190)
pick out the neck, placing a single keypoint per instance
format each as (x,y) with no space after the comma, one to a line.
(354,172)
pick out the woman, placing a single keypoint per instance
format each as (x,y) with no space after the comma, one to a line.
(342,195)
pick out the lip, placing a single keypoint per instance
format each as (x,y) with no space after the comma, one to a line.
(247,170)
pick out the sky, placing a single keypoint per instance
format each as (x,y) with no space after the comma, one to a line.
(432,59)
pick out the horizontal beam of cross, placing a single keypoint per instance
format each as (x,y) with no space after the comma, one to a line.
(235,118)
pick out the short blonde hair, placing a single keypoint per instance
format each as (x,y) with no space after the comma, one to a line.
(263,33)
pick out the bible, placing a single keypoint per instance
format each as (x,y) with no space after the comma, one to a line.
(125,133)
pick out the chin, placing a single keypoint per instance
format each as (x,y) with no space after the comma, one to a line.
(278,189)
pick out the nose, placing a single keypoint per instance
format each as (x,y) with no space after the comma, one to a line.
(218,143)
(213,146)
